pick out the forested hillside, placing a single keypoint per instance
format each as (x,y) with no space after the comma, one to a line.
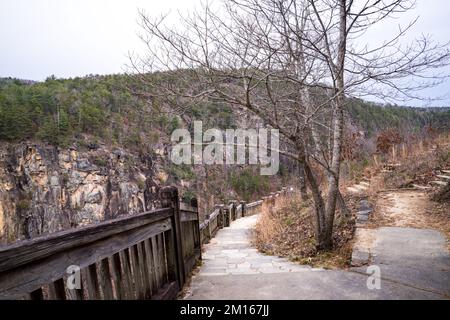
(372,117)
(60,111)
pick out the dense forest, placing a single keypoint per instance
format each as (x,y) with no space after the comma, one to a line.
(60,111)
(373,117)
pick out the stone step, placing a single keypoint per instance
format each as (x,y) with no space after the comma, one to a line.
(353,189)
(421,187)
(441,183)
(394,164)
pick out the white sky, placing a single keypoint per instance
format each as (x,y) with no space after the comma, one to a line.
(70,38)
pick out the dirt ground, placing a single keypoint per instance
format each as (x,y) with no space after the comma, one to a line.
(410,208)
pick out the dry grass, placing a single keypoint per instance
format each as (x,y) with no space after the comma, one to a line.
(287,230)
(419,167)
(410,208)
(396,205)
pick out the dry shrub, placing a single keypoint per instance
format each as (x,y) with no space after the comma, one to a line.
(442,195)
(419,168)
(287,230)
(387,138)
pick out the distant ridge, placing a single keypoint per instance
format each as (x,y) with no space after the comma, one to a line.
(6,80)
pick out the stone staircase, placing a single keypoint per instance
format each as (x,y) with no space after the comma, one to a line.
(440,179)
(360,187)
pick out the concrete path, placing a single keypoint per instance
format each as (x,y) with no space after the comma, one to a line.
(230,252)
(414,257)
(232,269)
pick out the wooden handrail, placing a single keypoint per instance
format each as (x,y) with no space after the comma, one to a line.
(25,251)
(148,255)
(254,204)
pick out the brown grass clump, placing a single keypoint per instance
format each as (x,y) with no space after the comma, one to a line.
(418,168)
(287,230)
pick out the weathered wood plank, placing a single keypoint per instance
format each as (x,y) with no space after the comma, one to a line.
(187,207)
(188,216)
(214,215)
(157,267)
(26,251)
(190,261)
(137,276)
(144,270)
(117,278)
(204,224)
(185,228)
(34,275)
(254,204)
(74,294)
(162,257)
(238,212)
(169,198)
(197,235)
(92,286)
(168,292)
(150,266)
(105,280)
(171,259)
(37,294)
(129,288)
(57,290)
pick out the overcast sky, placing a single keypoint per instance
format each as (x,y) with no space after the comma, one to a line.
(70,38)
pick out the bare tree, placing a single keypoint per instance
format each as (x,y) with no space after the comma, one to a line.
(292,63)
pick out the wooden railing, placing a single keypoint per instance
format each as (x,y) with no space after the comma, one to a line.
(144,256)
(223,215)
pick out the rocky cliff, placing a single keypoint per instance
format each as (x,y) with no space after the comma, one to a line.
(45,189)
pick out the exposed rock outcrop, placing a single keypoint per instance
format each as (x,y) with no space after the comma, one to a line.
(45,189)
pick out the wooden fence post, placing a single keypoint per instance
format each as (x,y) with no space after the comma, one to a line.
(233,211)
(220,218)
(169,199)
(198,235)
(375,159)
(243,208)
(208,226)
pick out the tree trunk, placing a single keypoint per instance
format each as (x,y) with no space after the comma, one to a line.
(338,128)
(333,179)
(319,208)
(345,212)
(302,181)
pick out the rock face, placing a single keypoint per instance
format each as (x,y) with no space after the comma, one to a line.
(44,189)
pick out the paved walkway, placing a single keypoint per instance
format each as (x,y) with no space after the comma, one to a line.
(232,269)
(230,252)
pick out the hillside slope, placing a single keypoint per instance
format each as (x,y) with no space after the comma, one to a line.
(78,151)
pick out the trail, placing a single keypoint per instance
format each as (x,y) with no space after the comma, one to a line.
(414,263)
(403,244)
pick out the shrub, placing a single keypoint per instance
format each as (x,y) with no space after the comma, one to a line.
(181,172)
(248,184)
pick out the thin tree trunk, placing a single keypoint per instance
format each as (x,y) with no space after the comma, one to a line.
(319,208)
(338,128)
(342,205)
(302,181)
